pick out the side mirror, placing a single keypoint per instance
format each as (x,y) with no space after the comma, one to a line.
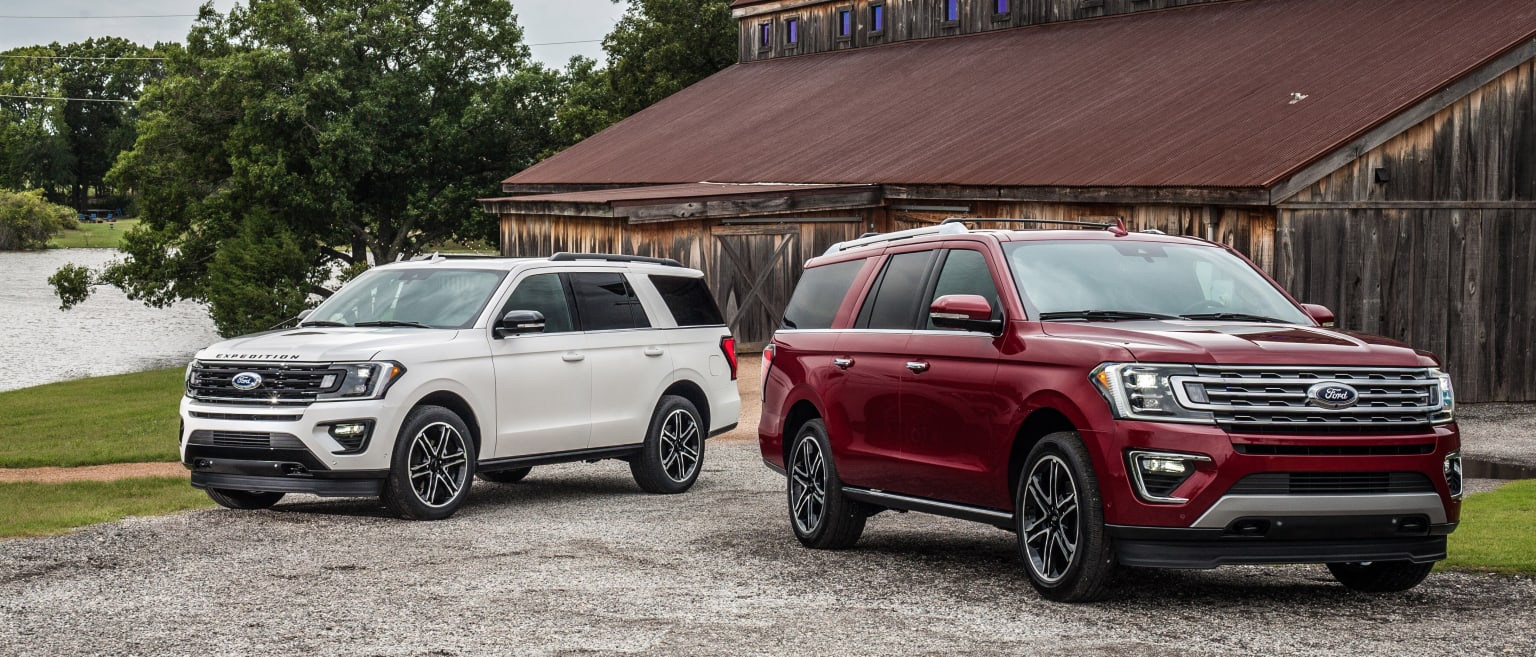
(965,312)
(518,322)
(304,313)
(1321,314)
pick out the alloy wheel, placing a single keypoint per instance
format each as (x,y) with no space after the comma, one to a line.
(808,486)
(439,462)
(680,444)
(1052,527)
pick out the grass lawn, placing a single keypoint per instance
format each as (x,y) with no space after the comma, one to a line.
(1498,531)
(127,418)
(46,509)
(94,236)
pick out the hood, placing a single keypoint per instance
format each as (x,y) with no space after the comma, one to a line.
(317,345)
(1186,341)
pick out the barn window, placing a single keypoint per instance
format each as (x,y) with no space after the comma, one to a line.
(951,11)
(1001,7)
(844,22)
(876,18)
(791,31)
(764,36)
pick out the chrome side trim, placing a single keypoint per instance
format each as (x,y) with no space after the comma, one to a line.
(1232,507)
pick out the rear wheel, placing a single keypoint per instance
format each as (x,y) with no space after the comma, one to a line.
(819,513)
(505,476)
(243,499)
(673,453)
(1380,576)
(433,465)
(1059,518)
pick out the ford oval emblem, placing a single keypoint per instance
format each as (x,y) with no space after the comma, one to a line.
(246,381)
(1332,394)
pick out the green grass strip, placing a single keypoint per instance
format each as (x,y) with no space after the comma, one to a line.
(28,509)
(1497,531)
(127,418)
(93,236)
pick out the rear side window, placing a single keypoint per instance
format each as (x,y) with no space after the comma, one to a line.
(820,293)
(689,300)
(894,302)
(606,302)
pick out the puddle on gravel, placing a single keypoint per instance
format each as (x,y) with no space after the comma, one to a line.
(1475,469)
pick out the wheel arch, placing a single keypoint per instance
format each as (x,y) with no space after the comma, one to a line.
(1042,421)
(799,413)
(692,392)
(460,407)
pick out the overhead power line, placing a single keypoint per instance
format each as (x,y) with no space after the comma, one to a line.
(75,57)
(87,100)
(100,17)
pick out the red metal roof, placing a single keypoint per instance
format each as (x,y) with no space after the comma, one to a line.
(675,193)
(1198,96)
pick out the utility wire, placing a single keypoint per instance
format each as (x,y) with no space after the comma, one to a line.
(86,100)
(91,17)
(152,59)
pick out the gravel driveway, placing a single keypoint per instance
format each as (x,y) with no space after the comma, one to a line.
(576,560)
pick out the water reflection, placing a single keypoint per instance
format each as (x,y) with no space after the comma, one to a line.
(108,334)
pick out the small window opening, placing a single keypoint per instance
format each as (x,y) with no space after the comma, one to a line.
(845,22)
(877,18)
(764,35)
(792,31)
(951,10)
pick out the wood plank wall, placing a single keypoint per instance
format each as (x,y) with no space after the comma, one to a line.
(914,19)
(1442,255)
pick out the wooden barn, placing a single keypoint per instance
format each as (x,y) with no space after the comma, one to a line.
(1375,156)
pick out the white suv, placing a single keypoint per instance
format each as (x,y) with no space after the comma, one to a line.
(419,375)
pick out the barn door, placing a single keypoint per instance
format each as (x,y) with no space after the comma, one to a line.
(753,272)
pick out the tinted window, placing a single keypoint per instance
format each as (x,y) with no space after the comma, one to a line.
(543,293)
(965,272)
(689,300)
(606,302)
(820,293)
(894,304)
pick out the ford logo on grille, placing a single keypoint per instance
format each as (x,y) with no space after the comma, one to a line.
(1332,394)
(246,381)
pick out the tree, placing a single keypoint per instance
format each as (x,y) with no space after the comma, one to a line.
(293,139)
(28,221)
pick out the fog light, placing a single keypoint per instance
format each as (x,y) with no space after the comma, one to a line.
(350,430)
(1453,480)
(352,435)
(1157,474)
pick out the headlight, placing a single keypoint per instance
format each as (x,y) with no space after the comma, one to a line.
(1136,391)
(189,379)
(359,380)
(1447,397)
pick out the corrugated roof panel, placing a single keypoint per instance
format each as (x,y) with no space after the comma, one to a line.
(1192,97)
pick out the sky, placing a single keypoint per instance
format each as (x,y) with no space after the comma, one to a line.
(543,21)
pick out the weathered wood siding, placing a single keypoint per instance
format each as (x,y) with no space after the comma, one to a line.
(910,19)
(752,265)
(1441,254)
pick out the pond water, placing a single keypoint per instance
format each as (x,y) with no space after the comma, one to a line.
(108,334)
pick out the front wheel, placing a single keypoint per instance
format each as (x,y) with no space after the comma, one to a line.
(1380,576)
(1059,517)
(673,453)
(432,467)
(243,499)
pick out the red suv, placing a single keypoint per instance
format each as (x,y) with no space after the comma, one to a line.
(1110,397)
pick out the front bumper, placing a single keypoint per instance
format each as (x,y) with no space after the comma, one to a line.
(289,470)
(1312,540)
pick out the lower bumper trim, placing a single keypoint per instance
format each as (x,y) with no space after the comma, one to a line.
(1206,554)
(260,484)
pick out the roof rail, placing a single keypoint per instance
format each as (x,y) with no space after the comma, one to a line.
(567,257)
(435,256)
(945,228)
(1118,228)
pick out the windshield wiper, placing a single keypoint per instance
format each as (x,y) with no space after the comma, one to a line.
(321,322)
(1236,317)
(1099,315)
(391,322)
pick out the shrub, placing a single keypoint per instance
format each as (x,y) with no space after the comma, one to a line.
(27,221)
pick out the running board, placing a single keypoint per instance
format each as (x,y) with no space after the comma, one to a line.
(905,503)
(559,457)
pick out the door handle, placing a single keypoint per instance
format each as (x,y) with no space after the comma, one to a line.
(654,351)
(917,366)
(842,363)
(573,357)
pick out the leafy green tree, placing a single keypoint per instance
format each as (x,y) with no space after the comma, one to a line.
(293,139)
(28,221)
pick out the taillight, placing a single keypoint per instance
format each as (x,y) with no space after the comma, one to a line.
(728,347)
(768,353)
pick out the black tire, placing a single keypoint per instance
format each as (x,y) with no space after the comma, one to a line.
(673,454)
(1059,518)
(505,476)
(820,515)
(1380,576)
(433,465)
(243,499)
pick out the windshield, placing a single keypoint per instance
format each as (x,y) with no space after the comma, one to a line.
(1102,280)
(423,298)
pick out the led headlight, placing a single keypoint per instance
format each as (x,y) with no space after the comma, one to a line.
(359,380)
(1137,391)
(1447,411)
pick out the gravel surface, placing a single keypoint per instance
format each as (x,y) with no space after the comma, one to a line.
(576,560)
